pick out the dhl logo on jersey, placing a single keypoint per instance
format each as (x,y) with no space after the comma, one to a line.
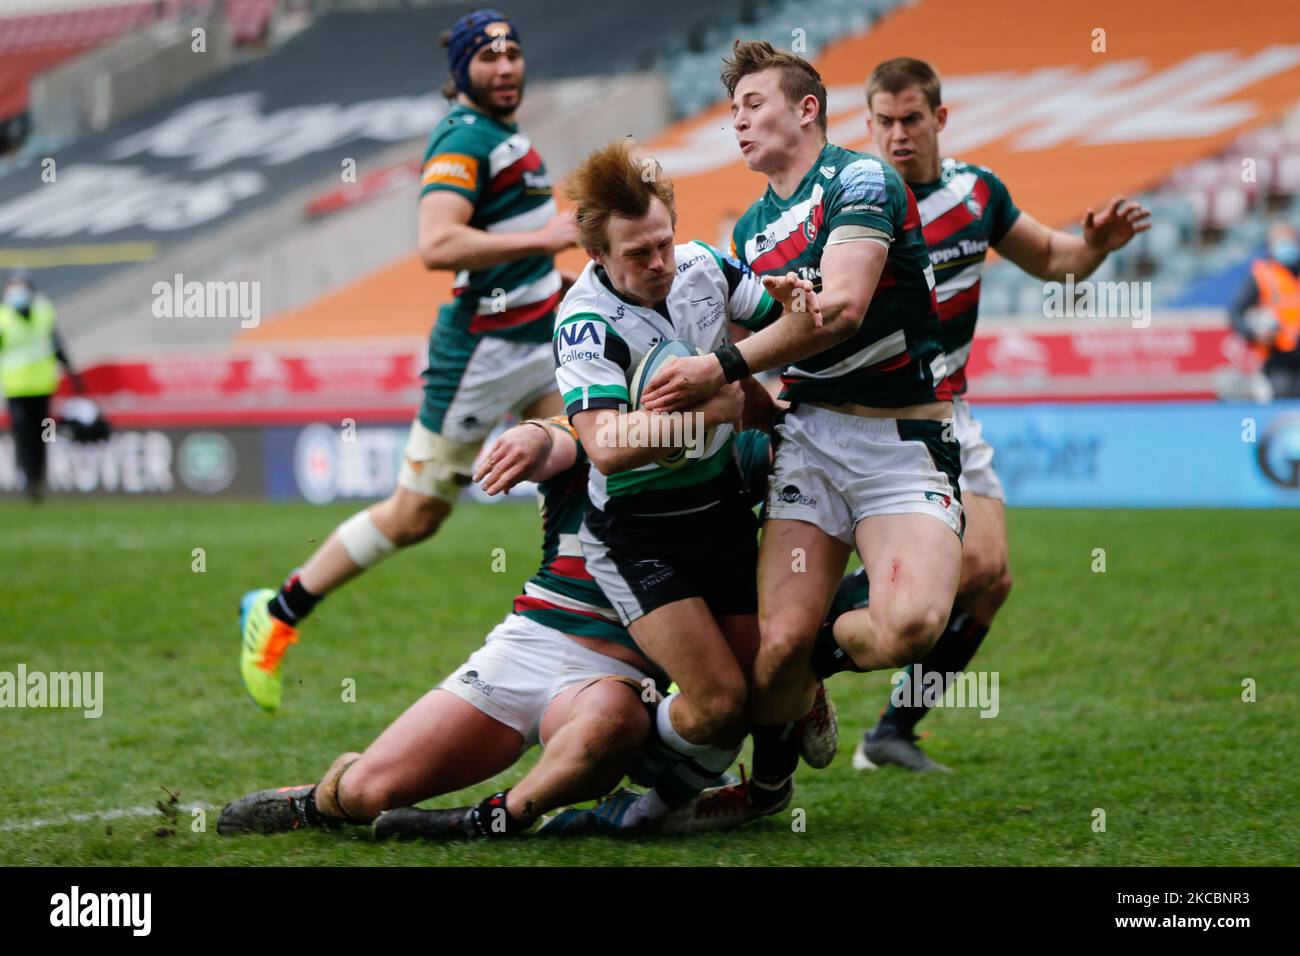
(451,169)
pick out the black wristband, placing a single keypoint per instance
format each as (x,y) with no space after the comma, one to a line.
(734,366)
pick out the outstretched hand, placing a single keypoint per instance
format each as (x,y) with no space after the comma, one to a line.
(512,458)
(795,295)
(1117,223)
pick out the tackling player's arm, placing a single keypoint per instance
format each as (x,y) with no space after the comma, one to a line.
(851,266)
(447,241)
(531,451)
(813,322)
(760,407)
(850,273)
(1051,255)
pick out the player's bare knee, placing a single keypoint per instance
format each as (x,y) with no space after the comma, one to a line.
(406,518)
(722,708)
(786,646)
(420,522)
(979,571)
(912,634)
(362,793)
(369,789)
(1000,590)
(615,731)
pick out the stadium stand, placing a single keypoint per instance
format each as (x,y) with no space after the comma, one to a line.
(1210,218)
(36,37)
(337,263)
(218,178)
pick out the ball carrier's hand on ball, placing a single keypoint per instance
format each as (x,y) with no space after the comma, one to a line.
(688,381)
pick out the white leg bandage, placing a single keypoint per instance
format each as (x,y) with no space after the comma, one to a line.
(668,733)
(366,544)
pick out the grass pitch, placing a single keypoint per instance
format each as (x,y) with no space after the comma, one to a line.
(1120,691)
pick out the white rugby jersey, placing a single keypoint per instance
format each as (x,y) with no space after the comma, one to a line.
(600,339)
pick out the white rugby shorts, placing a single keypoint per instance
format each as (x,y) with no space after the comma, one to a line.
(977,474)
(833,469)
(522,666)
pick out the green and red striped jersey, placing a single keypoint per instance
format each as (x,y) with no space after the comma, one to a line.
(562,594)
(896,357)
(494,166)
(963,212)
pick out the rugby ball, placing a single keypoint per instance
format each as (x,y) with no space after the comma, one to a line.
(645,373)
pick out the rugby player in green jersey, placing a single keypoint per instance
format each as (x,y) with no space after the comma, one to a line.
(966,210)
(864,459)
(486,213)
(559,671)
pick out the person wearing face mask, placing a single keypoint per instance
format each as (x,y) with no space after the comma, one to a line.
(30,355)
(1266,312)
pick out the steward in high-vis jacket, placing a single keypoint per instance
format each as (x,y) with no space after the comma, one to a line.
(1272,293)
(30,355)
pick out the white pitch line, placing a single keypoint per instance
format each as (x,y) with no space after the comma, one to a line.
(9,826)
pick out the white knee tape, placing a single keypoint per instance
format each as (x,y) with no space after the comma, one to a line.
(670,735)
(366,545)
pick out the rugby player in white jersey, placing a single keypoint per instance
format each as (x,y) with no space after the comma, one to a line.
(670,543)
(487,214)
(966,210)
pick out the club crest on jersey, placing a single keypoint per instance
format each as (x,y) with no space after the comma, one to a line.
(812,223)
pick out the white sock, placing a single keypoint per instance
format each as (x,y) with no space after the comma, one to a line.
(649,807)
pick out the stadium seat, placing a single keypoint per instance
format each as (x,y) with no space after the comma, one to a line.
(33,43)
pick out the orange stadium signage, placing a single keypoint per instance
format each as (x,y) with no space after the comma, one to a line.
(1069,104)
